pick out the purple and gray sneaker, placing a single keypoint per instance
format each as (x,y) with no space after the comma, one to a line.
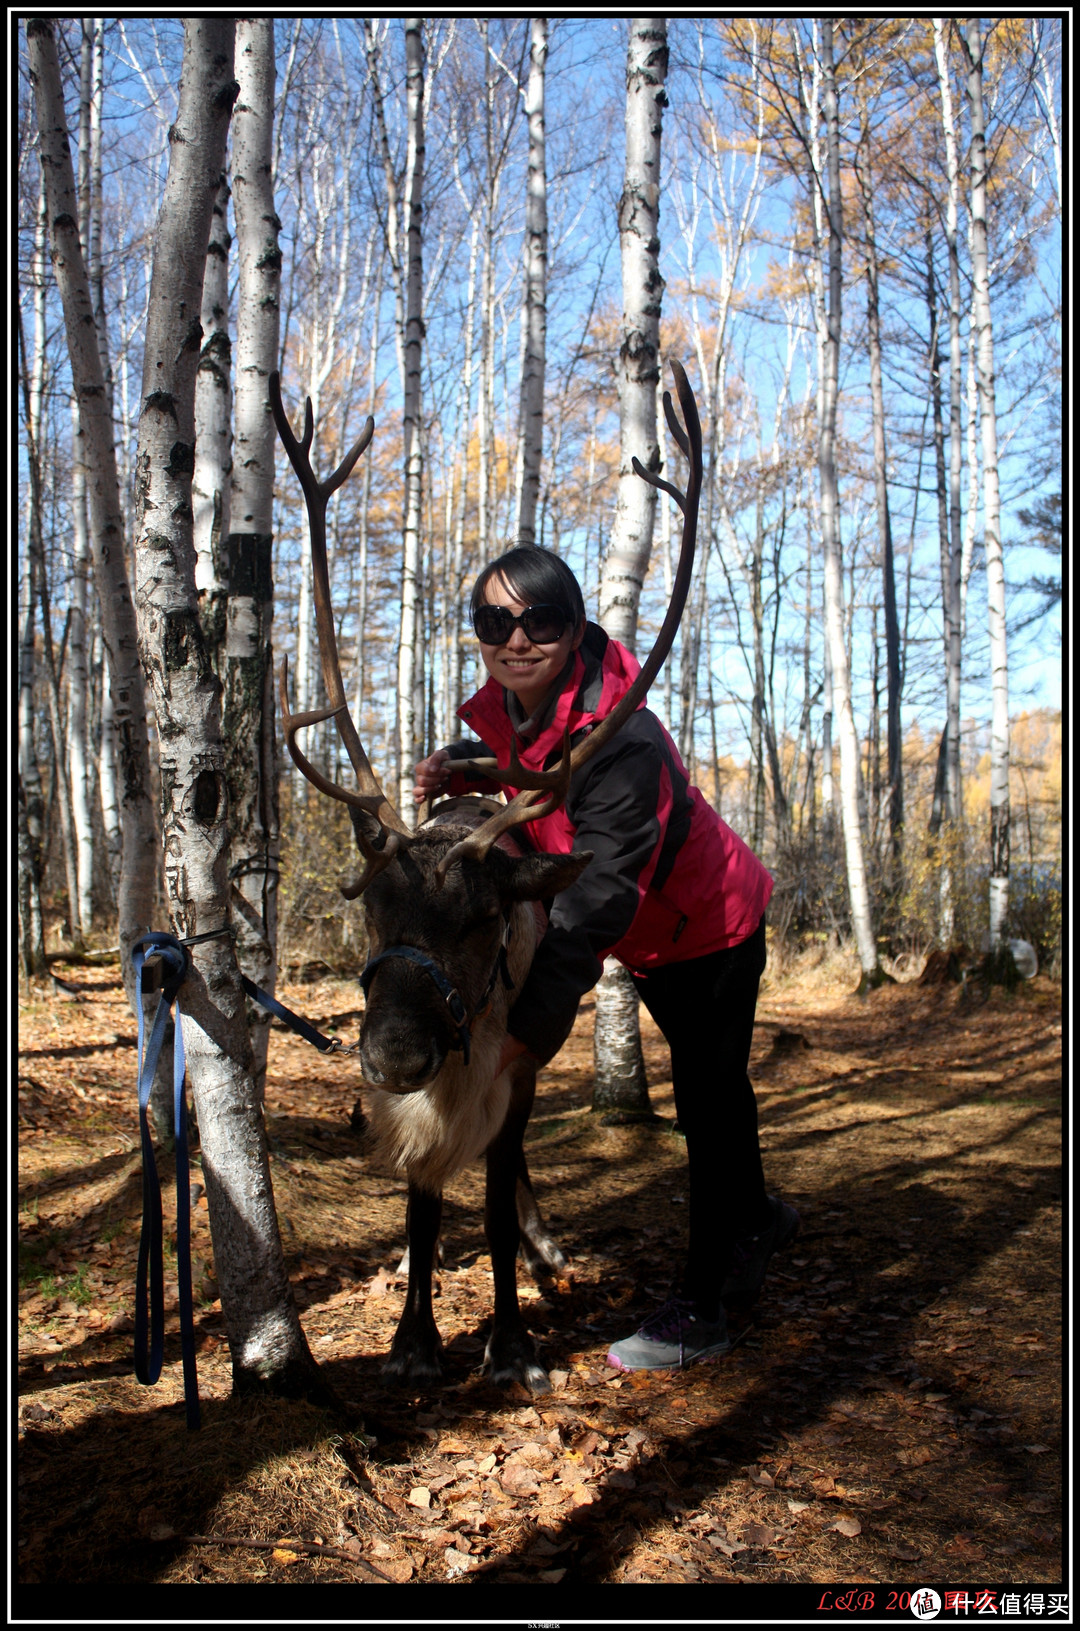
(674,1336)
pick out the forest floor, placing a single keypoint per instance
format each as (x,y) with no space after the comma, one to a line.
(890,1412)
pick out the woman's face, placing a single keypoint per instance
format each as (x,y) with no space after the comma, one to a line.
(526,669)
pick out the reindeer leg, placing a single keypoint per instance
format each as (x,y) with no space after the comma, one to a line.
(416,1349)
(510,1355)
(542,1255)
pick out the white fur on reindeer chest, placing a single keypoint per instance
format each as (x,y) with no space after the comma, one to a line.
(441,1128)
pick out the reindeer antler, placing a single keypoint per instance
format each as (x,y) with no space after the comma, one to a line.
(371,797)
(553,784)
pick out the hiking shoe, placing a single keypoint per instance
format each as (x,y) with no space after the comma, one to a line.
(673,1336)
(750,1257)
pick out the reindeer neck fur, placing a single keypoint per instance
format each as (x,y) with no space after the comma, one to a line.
(436,1131)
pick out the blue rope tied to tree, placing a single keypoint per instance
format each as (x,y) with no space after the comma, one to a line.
(150,1277)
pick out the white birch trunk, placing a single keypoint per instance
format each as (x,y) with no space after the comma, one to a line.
(830,529)
(135,902)
(210,487)
(32,805)
(881,496)
(248,667)
(534,316)
(78,744)
(269,1352)
(630,542)
(365,511)
(464,419)
(410,726)
(995,566)
(110,798)
(952,565)
(620,1081)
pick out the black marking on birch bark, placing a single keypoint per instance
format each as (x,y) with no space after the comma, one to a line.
(181,460)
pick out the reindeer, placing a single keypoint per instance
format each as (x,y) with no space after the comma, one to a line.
(452,931)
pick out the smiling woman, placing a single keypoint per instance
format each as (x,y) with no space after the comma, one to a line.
(669,889)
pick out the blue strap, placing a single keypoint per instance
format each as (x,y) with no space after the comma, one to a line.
(150,1315)
(302,1027)
(449,993)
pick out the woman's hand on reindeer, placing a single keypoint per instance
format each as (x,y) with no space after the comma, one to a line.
(431,775)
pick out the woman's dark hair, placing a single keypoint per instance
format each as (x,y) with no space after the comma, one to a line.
(538,577)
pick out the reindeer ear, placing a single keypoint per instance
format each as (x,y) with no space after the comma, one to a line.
(538,877)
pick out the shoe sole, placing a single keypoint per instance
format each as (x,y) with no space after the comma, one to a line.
(698,1359)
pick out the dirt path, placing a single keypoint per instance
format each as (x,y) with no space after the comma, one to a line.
(891,1413)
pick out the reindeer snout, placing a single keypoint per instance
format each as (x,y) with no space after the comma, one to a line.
(398,1059)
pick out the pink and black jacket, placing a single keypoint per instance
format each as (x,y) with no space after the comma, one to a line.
(669,880)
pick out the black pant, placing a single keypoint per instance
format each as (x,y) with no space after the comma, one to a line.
(705,1009)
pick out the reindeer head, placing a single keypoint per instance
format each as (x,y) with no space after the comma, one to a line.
(441,903)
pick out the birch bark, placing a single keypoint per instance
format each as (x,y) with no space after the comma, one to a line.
(881,496)
(858,892)
(268,1349)
(620,1081)
(534,315)
(135,904)
(210,487)
(247,668)
(410,725)
(995,565)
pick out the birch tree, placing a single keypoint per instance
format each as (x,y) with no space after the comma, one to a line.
(951,565)
(830,533)
(268,1349)
(534,316)
(865,176)
(247,667)
(995,566)
(620,1083)
(135,903)
(210,487)
(409,724)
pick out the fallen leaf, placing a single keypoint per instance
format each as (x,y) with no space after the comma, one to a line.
(487,1464)
(847,1526)
(456,1562)
(1037,1449)
(758,1534)
(917,1457)
(420,1496)
(905,1554)
(553,1576)
(763,1479)
(399,1569)
(964,1546)
(618,1479)
(798,1506)
(516,1479)
(559,1379)
(280,1555)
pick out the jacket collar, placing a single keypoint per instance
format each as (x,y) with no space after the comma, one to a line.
(603,671)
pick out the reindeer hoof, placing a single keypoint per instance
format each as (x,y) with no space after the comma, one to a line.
(513,1359)
(412,1365)
(543,1259)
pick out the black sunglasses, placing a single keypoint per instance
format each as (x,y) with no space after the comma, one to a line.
(543,625)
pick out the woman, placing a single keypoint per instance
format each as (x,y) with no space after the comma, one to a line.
(671,891)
